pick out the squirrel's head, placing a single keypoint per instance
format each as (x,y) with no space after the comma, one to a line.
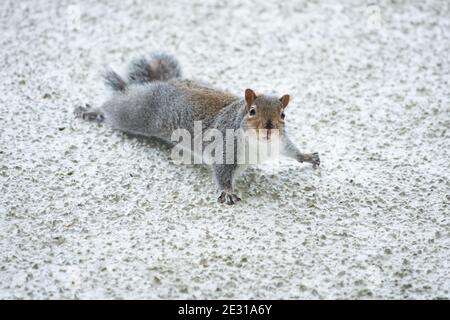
(263,114)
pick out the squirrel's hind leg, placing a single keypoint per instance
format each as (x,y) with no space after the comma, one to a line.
(89,114)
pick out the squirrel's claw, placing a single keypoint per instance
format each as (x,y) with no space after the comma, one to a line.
(87,113)
(312,158)
(315,160)
(228,198)
(79,111)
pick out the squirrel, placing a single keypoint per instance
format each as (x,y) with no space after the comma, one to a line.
(154,100)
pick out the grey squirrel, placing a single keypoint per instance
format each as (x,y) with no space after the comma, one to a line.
(154,100)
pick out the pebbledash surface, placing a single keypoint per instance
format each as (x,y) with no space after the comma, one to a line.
(88,212)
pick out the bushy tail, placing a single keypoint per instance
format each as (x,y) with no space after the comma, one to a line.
(160,66)
(114,81)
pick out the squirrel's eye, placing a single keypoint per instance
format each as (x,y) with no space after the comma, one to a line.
(252,112)
(282,115)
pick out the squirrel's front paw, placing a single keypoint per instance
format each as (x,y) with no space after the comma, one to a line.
(312,158)
(228,198)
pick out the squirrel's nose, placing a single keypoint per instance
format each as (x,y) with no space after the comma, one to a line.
(269,125)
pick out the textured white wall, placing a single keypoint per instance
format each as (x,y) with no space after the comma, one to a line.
(87,212)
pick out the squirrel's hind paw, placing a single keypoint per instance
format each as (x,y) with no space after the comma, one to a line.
(228,198)
(86,113)
(79,111)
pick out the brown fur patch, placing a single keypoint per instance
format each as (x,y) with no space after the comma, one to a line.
(210,101)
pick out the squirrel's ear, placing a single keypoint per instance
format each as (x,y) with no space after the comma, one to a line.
(284,100)
(250,96)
